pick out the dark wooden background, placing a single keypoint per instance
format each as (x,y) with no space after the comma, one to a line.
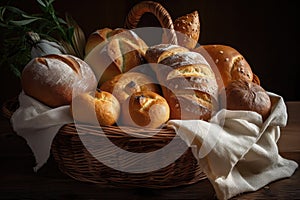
(264,32)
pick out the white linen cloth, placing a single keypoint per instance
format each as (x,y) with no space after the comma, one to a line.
(236,149)
(38,125)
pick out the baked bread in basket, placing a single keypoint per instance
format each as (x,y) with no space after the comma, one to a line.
(138,156)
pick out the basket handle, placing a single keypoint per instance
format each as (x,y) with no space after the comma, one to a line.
(159,12)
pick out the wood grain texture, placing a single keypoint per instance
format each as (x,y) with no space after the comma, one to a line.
(290,135)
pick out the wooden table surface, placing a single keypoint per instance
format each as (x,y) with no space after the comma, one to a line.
(18,181)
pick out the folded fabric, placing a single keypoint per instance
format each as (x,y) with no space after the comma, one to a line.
(38,124)
(238,151)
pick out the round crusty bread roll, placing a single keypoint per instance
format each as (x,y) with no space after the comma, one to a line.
(246,95)
(105,106)
(52,78)
(112,52)
(124,85)
(145,109)
(227,63)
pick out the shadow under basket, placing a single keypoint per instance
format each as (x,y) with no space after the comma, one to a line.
(130,159)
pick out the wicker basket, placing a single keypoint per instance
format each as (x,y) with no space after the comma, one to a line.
(75,160)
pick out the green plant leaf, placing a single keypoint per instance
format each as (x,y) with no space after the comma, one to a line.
(2,11)
(15,71)
(62,21)
(4,25)
(23,22)
(30,16)
(41,3)
(49,3)
(15,10)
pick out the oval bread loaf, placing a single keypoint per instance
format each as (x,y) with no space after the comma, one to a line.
(227,63)
(51,79)
(188,83)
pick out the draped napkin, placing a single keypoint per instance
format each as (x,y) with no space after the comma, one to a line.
(237,150)
(38,124)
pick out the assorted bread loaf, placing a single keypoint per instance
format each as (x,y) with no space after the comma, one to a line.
(52,78)
(190,82)
(124,85)
(245,95)
(145,109)
(187,29)
(228,63)
(112,52)
(239,87)
(99,107)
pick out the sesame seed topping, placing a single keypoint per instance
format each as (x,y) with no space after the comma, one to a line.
(221,52)
(217,60)
(226,59)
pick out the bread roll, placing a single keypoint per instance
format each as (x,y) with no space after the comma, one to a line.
(124,85)
(96,38)
(188,29)
(51,79)
(96,108)
(228,63)
(188,83)
(145,109)
(246,95)
(110,53)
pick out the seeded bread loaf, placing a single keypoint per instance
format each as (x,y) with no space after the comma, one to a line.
(227,63)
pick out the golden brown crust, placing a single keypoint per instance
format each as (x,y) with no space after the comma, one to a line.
(188,83)
(156,53)
(119,52)
(50,79)
(145,109)
(246,95)
(96,38)
(124,85)
(188,29)
(230,64)
(99,107)
(190,105)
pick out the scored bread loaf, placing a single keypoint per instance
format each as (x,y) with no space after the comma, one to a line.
(188,83)
(112,52)
(99,107)
(145,109)
(53,79)
(227,63)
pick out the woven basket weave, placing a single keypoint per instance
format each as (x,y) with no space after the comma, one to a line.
(75,160)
